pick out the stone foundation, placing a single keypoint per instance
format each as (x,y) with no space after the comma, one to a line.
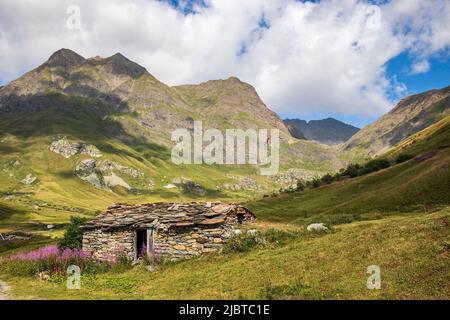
(178,244)
(175,244)
(107,245)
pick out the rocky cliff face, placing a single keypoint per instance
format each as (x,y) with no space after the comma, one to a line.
(411,115)
(329,131)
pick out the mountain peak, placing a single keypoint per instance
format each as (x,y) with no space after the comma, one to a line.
(65,58)
(329,131)
(124,66)
(233,79)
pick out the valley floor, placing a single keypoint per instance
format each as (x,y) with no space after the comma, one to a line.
(412,251)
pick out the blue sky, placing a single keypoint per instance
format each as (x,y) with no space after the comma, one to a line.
(437,77)
(399,68)
(185,6)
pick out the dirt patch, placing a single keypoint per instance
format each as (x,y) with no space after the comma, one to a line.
(4,290)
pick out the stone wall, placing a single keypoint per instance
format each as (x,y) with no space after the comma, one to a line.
(188,242)
(107,245)
(175,243)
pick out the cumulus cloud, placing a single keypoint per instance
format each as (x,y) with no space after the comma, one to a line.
(422,66)
(302,57)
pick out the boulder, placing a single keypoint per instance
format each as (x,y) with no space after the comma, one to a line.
(114,180)
(65,147)
(317,227)
(189,186)
(90,150)
(85,167)
(170,186)
(68,148)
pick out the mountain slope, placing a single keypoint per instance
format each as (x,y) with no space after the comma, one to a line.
(328,131)
(79,134)
(232,102)
(411,115)
(158,109)
(415,185)
(148,109)
(411,251)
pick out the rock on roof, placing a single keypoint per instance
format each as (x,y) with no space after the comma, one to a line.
(165,215)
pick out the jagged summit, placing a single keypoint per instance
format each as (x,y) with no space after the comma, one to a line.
(65,58)
(124,66)
(116,64)
(329,131)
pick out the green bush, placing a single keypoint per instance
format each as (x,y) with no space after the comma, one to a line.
(376,165)
(243,243)
(327,179)
(340,218)
(315,183)
(247,241)
(300,185)
(73,235)
(352,170)
(403,157)
(280,236)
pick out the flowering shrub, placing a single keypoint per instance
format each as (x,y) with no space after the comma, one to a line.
(53,260)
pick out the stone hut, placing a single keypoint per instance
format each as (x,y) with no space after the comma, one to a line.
(173,230)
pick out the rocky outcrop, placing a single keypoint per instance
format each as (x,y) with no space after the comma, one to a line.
(29,179)
(105,174)
(109,166)
(67,148)
(85,170)
(240,183)
(292,176)
(114,180)
(90,150)
(189,186)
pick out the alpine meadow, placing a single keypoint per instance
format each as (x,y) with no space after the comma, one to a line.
(317,166)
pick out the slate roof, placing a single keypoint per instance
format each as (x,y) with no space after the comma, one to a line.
(166,215)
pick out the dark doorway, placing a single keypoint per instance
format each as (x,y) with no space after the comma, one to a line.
(141,243)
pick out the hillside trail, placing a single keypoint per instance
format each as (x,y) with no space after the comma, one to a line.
(4,290)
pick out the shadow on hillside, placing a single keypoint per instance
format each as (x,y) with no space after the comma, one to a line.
(5,149)
(87,119)
(6,211)
(65,174)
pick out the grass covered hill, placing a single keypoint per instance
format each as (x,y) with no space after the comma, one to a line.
(418,184)
(411,115)
(80,134)
(411,250)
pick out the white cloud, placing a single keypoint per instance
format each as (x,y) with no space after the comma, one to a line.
(326,57)
(422,66)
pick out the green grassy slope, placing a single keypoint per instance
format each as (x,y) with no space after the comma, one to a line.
(434,137)
(411,251)
(57,193)
(411,115)
(414,185)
